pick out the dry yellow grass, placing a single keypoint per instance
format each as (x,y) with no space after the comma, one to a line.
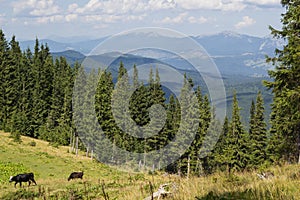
(52,166)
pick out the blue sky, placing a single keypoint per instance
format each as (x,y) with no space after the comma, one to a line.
(28,19)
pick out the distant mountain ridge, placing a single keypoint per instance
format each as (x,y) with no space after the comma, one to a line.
(221,44)
(233,53)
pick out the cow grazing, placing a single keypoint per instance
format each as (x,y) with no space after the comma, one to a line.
(28,177)
(74,175)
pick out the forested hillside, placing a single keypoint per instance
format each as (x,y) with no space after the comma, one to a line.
(36,92)
(37,99)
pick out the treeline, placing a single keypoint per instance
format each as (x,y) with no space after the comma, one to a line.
(122,110)
(35,92)
(36,100)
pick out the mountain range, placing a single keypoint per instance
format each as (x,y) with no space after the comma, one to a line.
(233,53)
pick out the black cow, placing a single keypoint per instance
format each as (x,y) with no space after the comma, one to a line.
(28,177)
(74,175)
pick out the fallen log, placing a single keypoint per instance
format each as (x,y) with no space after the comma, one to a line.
(265,175)
(161,192)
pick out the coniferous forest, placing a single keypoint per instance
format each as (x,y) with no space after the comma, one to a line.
(36,94)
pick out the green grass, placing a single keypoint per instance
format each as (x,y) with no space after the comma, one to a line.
(52,167)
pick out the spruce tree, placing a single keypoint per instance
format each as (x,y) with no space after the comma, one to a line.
(4,53)
(286,87)
(42,89)
(257,134)
(190,118)
(252,118)
(236,147)
(219,152)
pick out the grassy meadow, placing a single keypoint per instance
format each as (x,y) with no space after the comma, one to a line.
(52,166)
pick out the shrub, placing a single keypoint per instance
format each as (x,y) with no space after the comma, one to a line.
(32,143)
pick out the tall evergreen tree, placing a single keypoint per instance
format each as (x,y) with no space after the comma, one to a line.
(190,118)
(42,77)
(219,152)
(285,119)
(236,147)
(252,118)
(4,53)
(258,135)
(157,103)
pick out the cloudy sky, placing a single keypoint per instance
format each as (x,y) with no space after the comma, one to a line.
(28,19)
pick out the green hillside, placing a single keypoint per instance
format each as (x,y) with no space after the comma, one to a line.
(52,165)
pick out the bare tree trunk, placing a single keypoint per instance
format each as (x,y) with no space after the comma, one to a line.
(159,165)
(87,151)
(188,166)
(113,153)
(140,165)
(298,143)
(92,154)
(71,141)
(76,151)
(144,159)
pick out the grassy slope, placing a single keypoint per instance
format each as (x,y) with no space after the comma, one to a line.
(53,165)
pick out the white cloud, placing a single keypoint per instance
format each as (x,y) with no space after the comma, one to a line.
(200,20)
(183,18)
(247,21)
(161,4)
(113,18)
(264,2)
(175,20)
(198,4)
(114,11)
(124,6)
(135,17)
(72,7)
(224,5)
(47,19)
(232,6)
(36,7)
(2,19)
(71,17)
(19,6)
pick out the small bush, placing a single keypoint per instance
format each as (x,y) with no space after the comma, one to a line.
(32,143)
